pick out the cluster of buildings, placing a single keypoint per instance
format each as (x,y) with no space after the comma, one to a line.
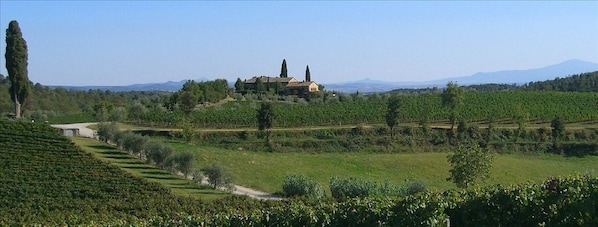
(290,85)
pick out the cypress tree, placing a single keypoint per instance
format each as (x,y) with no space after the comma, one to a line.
(283,69)
(307,74)
(16,66)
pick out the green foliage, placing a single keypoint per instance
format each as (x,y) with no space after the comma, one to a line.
(541,106)
(106,131)
(343,188)
(469,163)
(158,153)
(259,86)
(283,69)
(218,177)
(452,98)
(416,187)
(558,128)
(265,118)
(47,180)
(134,143)
(299,185)
(585,82)
(16,66)
(392,112)
(183,162)
(239,85)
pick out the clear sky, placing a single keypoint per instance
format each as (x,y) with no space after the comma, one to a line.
(128,42)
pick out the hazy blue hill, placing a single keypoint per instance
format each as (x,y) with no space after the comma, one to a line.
(564,69)
(561,70)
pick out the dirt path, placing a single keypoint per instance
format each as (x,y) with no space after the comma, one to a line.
(83,130)
(239,190)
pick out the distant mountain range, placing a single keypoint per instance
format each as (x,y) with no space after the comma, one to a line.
(564,69)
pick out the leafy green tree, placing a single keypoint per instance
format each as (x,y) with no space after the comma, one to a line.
(118,114)
(392,112)
(218,177)
(469,163)
(452,98)
(299,185)
(521,116)
(16,66)
(102,110)
(265,119)
(307,74)
(239,85)
(184,162)
(558,128)
(283,69)
(187,101)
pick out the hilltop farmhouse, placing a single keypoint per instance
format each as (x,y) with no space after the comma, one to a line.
(289,85)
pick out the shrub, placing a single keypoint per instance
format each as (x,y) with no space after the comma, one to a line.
(298,185)
(351,188)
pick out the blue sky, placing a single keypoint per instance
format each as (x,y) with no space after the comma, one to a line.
(127,42)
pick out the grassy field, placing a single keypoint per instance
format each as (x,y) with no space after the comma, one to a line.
(266,171)
(137,167)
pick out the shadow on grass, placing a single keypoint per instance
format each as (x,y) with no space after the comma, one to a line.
(103,147)
(137,167)
(156,172)
(132,162)
(122,157)
(111,152)
(162,177)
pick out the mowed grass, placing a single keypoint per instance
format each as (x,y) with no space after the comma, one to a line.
(177,184)
(266,171)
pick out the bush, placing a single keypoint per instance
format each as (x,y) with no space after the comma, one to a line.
(298,185)
(416,187)
(351,188)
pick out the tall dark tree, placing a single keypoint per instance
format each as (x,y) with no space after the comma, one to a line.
(259,86)
(452,98)
(265,119)
(307,74)
(239,85)
(392,113)
(283,69)
(16,65)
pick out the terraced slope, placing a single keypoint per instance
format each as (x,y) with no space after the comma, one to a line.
(46,179)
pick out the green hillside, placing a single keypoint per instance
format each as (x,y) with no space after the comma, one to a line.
(46,179)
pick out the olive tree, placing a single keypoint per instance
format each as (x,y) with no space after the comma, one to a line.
(218,177)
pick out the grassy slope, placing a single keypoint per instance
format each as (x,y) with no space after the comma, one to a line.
(266,171)
(137,167)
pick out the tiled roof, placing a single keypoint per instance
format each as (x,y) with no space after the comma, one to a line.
(265,79)
(301,84)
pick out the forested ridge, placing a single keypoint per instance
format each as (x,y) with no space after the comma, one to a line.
(46,103)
